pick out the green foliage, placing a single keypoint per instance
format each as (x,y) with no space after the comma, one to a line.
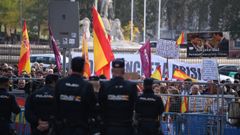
(127,31)
(9,13)
(179,15)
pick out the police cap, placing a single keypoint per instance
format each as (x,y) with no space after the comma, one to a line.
(148,82)
(93,78)
(118,63)
(51,78)
(77,64)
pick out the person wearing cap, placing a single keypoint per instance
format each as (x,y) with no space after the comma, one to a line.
(75,102)
(149,108)
(117,98)
(8,105)
(40,107)
(97,125)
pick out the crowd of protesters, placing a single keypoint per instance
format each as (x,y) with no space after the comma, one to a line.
(26,82)
(39,72)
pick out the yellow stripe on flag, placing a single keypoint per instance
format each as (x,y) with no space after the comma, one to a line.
(184,105)
(167,106)
(157,73)
(103,54)
(24,59)
(87,69)
(180,75)
(180,39)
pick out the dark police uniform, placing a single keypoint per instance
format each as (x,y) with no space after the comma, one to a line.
(75,105)
(117,98)
(149,108)
(40,106)
(96,127)
(8,105)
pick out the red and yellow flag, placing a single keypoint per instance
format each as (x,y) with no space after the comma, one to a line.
(157,74)
(180,39)
(184,104)
(87,69)
(167,106)
(180,75)
(24,59)
(103,54)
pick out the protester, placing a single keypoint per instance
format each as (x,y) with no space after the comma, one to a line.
(175,101)
(38,82)
(195,90)
(185,90)
(156,88)
(22,85)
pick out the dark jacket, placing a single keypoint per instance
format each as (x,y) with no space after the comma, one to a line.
(8,105)
(40,105)
(149,106)
(117,98)
(75,101)
(224,45)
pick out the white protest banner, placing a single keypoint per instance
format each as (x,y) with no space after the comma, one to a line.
(192,70)
(167,49)
(133,62)
(210,70)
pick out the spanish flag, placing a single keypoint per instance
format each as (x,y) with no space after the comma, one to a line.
(184,104)
(157,74)
(167,106)
(103,54)
(180,39)
(87,70)
(24,59)
(180,75)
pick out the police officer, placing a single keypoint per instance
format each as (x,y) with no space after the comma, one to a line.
(8,105)
(149,108)
(117,98)
(40,107)
(75,101)
(96,127)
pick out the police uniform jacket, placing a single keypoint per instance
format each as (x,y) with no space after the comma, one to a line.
(117,98)
(40,105)
(149,106)
(8,105)
(75,101)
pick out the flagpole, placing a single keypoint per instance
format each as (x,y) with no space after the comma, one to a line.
(64,61)
(96,4)
(159,18)
(144,32)
(132,2)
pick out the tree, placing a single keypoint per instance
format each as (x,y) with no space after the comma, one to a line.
(9,14)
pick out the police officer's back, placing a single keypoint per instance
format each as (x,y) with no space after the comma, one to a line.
(8,105)
(75,101)
(95,127)
(117,98)
(149,108)
(40,107)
